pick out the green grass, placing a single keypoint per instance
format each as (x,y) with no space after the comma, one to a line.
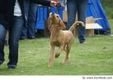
(111,24)
(94,58)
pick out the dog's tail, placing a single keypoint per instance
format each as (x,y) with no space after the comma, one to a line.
(76,24)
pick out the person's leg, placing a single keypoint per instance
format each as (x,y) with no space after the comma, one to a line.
(24,29)
(32,20)
(14,35)
(82,5)
(2,40)
(71,12)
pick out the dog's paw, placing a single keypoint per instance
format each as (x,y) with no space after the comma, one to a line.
(64,62)
(49,65)
(57,55)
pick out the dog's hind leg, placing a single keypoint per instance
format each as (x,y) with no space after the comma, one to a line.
(51,56)
(67,53)
(59,51)
(65,48)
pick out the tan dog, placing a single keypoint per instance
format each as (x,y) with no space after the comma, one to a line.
(61,38)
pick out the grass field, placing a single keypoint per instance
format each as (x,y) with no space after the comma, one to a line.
(94,58)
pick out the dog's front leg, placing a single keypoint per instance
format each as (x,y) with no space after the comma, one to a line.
(51,56)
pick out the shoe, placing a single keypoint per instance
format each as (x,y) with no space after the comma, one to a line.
(11,67)
(1,62)
(31,37)
(23,38)
(83,43)
(6,42)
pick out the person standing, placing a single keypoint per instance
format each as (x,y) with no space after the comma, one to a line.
(12,18)
(79,7)
(30,10)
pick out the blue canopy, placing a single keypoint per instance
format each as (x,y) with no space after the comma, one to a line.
(96,10)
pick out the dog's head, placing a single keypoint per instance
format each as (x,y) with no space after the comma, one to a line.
(54,21)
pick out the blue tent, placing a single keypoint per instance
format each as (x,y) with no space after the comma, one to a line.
(96,10)
(42,14)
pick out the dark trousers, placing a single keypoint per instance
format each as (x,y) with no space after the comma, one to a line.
(14,36)
(30,11)
(73,7)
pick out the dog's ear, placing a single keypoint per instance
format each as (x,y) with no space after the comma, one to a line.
(61,25)
(49,22)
